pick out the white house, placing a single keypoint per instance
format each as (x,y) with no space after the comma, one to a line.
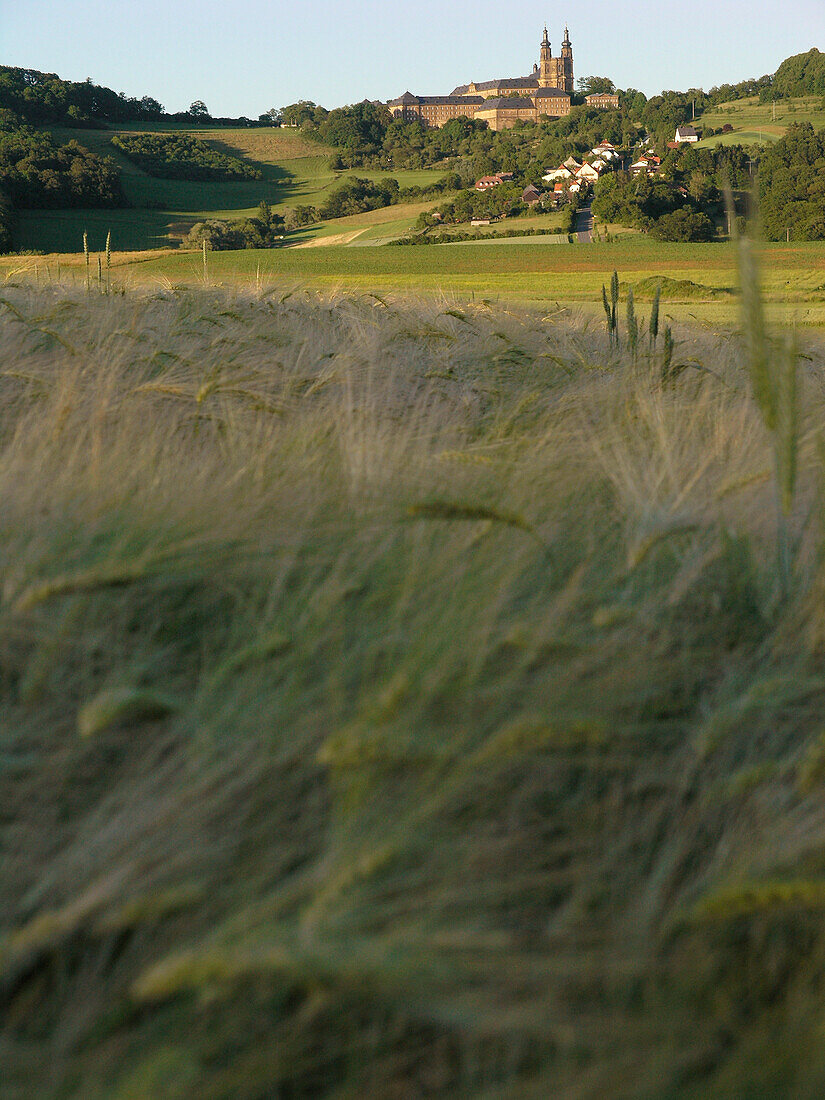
(560,173)
(588,173)
(605,150)
(686,133)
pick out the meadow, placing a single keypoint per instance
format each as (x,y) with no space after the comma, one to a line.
(406,697)
(755,123)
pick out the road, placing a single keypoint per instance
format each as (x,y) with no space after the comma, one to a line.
(584,225)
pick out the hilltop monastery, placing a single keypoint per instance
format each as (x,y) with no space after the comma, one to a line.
(501,103)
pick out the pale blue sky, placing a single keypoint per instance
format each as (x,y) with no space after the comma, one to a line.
(243,57)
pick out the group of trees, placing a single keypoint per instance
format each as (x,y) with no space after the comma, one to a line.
(180,156)
(37,174)
(44,99)
(265,231)
(658,206)
(792,185)
(504,201)
(802,74)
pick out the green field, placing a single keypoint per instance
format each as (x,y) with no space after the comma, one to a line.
(755,123)
(699,279)
(295,171)
(793,275)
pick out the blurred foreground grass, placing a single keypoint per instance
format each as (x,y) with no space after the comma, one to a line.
(402,699)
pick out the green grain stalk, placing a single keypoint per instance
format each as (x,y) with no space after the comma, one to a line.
(653,327)
(667,354)
(614,302)
(607,312)
(632,324)
(773,376)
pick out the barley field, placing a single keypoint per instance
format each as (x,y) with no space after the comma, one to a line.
(407,698)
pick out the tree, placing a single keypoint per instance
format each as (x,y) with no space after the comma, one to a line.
(198,109)
(272,117)
(683,225)
(593,85)
(296,114)
(151,108)
(792,185)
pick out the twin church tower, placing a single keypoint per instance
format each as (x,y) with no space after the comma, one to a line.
(556,72)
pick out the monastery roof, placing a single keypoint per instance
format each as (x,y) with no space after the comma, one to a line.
(408,99)
(552,93)
(502,102)
(512,83)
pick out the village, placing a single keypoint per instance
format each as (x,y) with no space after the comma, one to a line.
(573,180)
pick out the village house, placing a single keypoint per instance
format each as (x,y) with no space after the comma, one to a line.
(647,163)
(685,133)
(588,173)
(603,101)
(605,150)
(560,173)
(486,183)
(531,195)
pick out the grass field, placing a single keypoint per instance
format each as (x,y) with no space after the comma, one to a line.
(699,279)
(407,698)
(295,171)
(755,123)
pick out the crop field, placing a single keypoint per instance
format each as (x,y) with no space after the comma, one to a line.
(409,696)
(295,171)
(755,123)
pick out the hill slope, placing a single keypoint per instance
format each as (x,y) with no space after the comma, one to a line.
(295,171)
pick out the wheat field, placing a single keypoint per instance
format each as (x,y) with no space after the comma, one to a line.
(406,698)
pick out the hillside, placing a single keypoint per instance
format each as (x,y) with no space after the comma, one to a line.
(755,123)
(295,171)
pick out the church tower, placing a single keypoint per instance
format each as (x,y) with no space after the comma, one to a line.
(566,74)
(547,66)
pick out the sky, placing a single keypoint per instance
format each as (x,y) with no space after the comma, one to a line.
(244,57)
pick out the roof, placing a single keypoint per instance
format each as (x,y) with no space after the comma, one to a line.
(408,100)
(530,81)
(503,102)
(552,93)
(530,189)
(686,131)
